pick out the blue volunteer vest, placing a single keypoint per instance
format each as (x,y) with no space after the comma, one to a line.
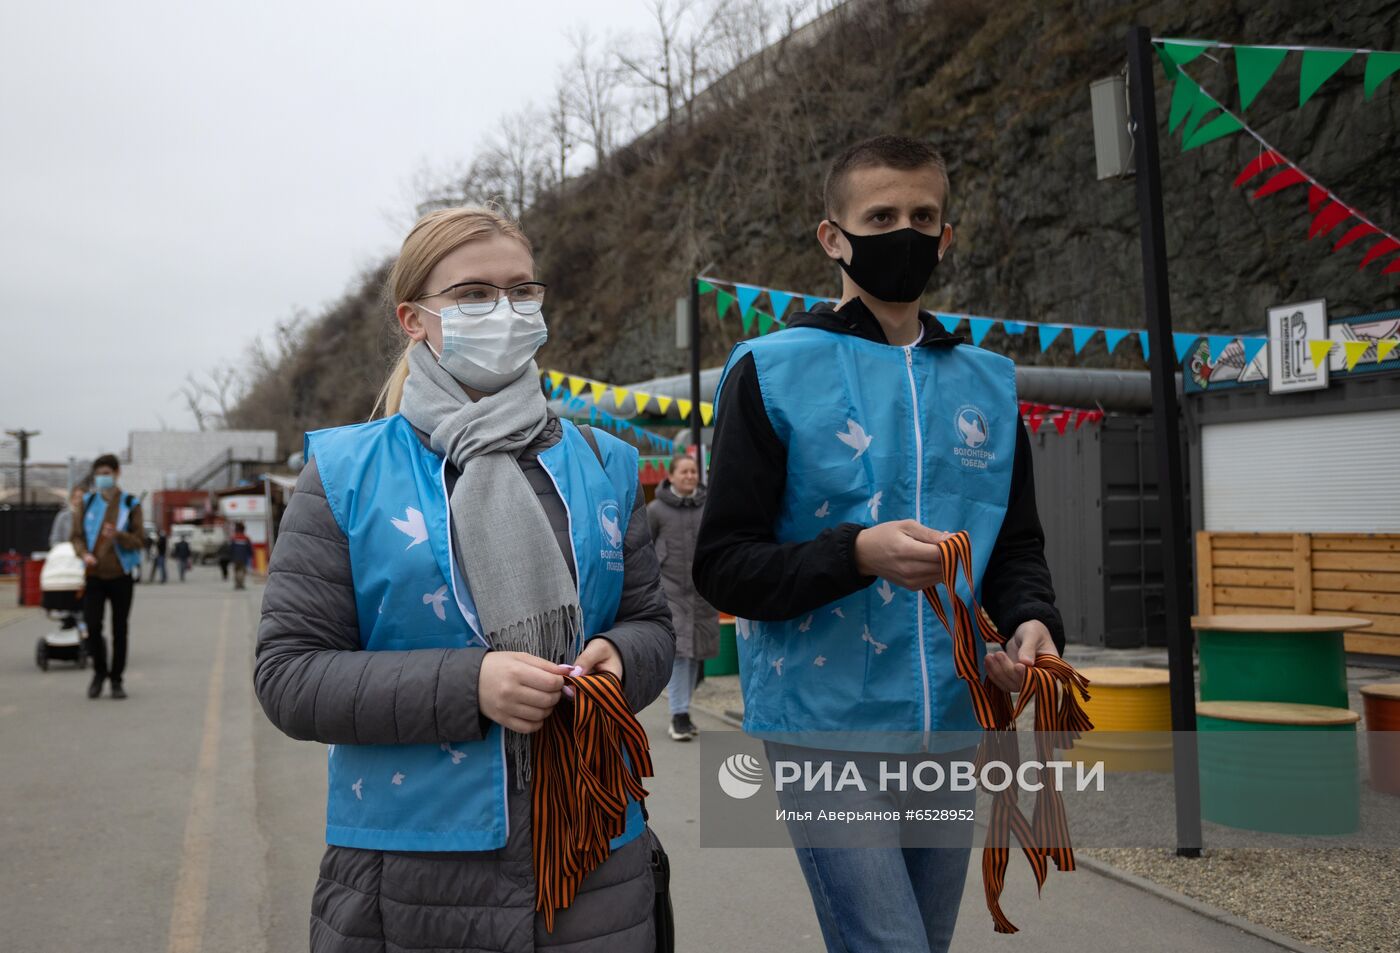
(388,494)
(94,510)
(875,433)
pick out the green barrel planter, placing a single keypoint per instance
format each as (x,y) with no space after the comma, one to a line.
(1279,658)
(727,661)
(1279,768)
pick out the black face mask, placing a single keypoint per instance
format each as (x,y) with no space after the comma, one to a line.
(892,266)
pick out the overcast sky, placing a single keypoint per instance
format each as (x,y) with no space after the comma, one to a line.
(176,177)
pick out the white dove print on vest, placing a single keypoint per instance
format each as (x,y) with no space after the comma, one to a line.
(457,756)
(398,778)
(886,593)
(805,625)
(875,505)
(359,788)
(778,665)
(823,510)
(856,438)
(413,527)
(819,661)
(867,637)
(437,600)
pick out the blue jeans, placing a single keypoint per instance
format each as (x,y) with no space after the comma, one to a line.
(884,896)
(685,672)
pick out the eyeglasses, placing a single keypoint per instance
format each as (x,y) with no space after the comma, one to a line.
(480,297)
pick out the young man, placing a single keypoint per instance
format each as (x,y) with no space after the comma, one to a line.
(240,554)
(846,447)
(107,536)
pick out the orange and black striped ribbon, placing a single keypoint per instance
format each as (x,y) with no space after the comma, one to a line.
(1059,719)
(581,786)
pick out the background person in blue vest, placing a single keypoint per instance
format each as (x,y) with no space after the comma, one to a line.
(436,573)
(846,447)
(107,536)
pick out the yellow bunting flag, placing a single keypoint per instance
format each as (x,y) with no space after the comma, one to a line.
(619,395)
(642,398)
(684,407)
(1354,351)
(1384,347)
(598,389)
(556,378)
(1319,351)
(707,413)
(663,403)
(576,386)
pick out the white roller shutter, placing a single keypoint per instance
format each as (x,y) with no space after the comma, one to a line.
(1333,473)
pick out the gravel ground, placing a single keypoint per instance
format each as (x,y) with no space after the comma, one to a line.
(1341,900)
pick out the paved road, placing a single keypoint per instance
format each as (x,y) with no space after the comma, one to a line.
(180,821)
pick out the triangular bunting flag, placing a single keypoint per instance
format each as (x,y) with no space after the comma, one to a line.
(576,386)
(1266,160)
(619,395)
(1354,350)
(1318,67)
(1317,197)
(684,407)
(1013,327)
(779,300)
(1182,342)
(1218,343)
(663,403)
(1113,337)
(1329,218)
(642,398)
(1319,350)
(1252,347)
(1034,420)
(1200,107)
(1393,267)
(765,322)
(1184,96)
(1379,66)
(1360,230)
(556,379)
(723,300)
(747,295)
(598,389)
(1217,128)
(810,301)
(1255,65)
(1384,347)
(746,318)
(979,327)
(1048,333)
(1380,249)
(1280,181)
(950,322)
(1062,421)
(704,287)
(1183,53)
(707,413)
(1146,347)
(1081,336)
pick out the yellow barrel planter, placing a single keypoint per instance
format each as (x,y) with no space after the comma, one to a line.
(1132,715)
(1280,767)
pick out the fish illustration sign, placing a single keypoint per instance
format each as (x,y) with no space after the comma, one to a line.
(610,520)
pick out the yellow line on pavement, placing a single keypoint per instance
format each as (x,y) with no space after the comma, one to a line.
(192,887)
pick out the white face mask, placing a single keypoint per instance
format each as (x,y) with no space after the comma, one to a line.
(488,351)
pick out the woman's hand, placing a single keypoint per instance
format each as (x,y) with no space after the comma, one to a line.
(1008,668)
(600,655)
(518,690)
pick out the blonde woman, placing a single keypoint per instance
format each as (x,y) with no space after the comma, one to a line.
(438,571)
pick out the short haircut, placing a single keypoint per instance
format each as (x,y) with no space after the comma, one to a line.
(239,528)
(107,460)
(678,459)
(894,152)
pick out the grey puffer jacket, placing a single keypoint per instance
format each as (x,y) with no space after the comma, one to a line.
(315,683)
(675,523)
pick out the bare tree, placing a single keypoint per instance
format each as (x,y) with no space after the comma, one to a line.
(559,131)
(593,91)
(656,64)
(517,159)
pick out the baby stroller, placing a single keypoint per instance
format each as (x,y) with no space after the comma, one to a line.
(62,583)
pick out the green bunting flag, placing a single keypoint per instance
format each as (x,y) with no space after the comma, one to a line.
(1220,126)
(723,300)
(704,287)
(1255,66)
(765,323)
(1379,67)
(1318,67)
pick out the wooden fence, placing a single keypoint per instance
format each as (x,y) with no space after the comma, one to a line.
(1332,573)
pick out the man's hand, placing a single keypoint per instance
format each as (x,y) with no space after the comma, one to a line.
(905,552)
(89,560)
(517,690)
(108,531)
(600,655)
(1008,667)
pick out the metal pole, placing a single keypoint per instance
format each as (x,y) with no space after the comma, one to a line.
(695,421)
(22,436)
(1166,421)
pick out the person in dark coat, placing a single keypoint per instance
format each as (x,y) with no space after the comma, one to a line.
(424,629)
(240,554)
(674,517)
(182,554)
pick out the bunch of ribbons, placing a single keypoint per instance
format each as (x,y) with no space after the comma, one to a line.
(581,786)
(1059,719)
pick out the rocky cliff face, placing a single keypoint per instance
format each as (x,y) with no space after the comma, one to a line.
(1002,88)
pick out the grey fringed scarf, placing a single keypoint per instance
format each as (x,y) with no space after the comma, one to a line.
(525,595)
